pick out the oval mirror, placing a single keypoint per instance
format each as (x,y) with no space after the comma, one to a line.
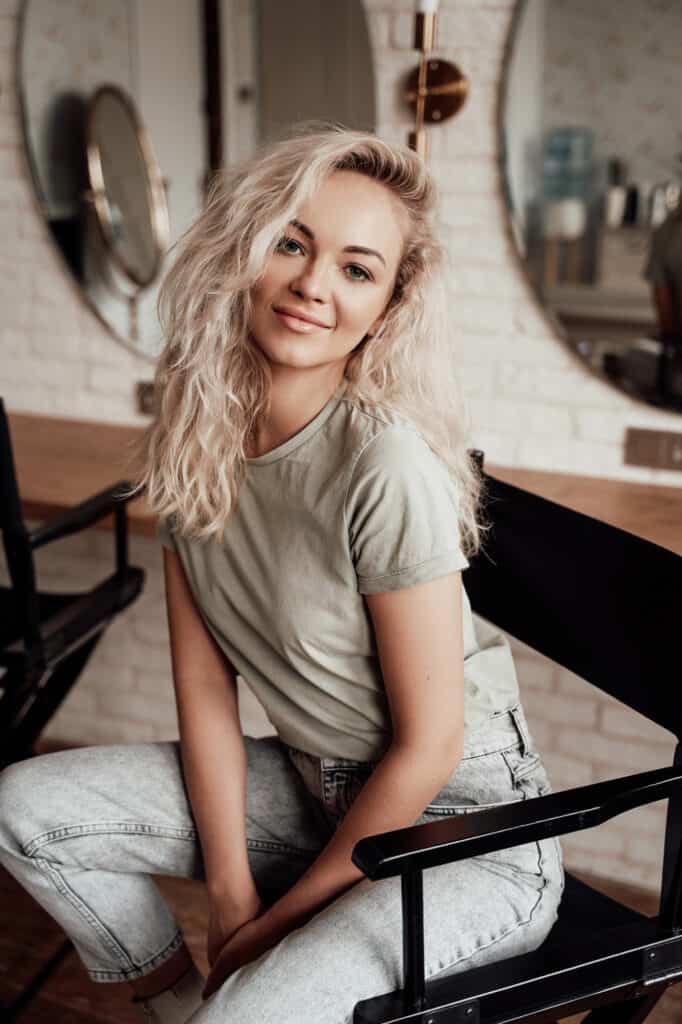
(126,188)
(129,205)
(209,81)
(592,161)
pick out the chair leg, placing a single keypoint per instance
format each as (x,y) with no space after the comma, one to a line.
(17,737)
(631,1011)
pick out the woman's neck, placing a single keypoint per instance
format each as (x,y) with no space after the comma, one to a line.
(295,400)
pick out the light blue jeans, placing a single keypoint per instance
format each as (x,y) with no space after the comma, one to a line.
(83,830)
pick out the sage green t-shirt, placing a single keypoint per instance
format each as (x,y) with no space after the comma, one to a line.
(353,504)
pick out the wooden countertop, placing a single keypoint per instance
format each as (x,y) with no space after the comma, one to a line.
(648,510)
(61,462)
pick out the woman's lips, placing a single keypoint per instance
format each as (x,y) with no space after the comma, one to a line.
(295,323)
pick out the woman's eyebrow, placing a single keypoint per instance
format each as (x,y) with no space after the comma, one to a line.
(304,229)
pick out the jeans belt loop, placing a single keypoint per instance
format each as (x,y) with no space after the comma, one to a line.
(519,721)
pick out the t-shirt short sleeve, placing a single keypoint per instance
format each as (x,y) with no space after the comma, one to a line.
(165,535)
(401,514)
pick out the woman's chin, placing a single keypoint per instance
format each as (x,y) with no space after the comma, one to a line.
(293,354)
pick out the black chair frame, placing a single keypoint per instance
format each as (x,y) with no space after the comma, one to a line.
(604,604)
(47,638)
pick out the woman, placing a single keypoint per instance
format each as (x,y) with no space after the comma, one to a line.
(317,505)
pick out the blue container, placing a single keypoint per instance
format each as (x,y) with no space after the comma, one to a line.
(567,164)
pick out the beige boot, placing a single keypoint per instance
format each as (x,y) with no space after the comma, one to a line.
(174,1005)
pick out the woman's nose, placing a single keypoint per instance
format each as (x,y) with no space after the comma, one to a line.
(312,281)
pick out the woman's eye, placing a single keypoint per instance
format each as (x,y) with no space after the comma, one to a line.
(286,240)
(364,276)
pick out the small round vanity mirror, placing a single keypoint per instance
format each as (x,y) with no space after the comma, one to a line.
(126,187)
(591,153)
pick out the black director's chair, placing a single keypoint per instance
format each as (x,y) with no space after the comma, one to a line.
(47,638)
(606,605)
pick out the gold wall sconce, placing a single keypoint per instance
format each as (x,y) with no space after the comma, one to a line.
(436,89)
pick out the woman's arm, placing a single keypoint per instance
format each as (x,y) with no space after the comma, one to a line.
(419,637)
(421,649)
(211,741)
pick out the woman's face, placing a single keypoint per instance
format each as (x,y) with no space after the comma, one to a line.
(319,271)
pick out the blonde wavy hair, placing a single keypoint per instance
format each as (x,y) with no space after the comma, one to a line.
(212,383)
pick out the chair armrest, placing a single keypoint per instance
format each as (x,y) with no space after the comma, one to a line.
(81,515)
(75,622)
(469,835)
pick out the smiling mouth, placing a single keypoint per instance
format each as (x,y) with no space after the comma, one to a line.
(298,323)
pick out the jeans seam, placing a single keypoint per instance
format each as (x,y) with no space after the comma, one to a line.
(328,788)
(525,768)
(525,771)
(159,832)
(146,967)
(65,890)
(513,745)
(273,847)
(455,809)
(105,828)
(521,726)
(510,931)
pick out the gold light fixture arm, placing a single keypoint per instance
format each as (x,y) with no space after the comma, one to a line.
(436,89)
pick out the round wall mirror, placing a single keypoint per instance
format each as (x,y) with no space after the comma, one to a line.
(129,105)
(591,151)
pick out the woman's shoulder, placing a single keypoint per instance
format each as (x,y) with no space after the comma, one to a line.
(389,459)
(381,435)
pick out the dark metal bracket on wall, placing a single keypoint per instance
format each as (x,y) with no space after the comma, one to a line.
(213,91)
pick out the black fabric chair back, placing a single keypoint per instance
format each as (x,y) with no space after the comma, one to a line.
(11,518)
(536,571)
(18,551)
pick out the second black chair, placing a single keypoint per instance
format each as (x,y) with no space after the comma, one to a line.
(47,638)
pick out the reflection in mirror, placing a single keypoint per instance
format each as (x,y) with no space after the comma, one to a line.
(270,65)
(127,197)
(120,175)
(592,153)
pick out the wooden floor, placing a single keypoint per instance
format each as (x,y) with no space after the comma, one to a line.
(28,937)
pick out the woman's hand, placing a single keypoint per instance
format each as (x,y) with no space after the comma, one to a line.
(247,944)
(226,916)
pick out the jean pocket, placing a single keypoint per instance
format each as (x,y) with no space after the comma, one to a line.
(445,809)
(528,773)
(479,783)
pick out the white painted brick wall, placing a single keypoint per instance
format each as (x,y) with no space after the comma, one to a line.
(532,404)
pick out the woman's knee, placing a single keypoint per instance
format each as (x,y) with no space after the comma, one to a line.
(17,786)
(35,795)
